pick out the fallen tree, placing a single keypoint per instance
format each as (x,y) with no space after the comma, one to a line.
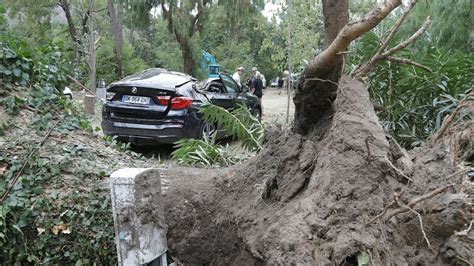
(336,190)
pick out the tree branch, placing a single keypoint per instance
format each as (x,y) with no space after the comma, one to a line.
(364,69)
(407,62)
(410,40)
(396,27)
(349,33)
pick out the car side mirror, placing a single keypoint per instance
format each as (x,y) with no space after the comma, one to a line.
(245,88)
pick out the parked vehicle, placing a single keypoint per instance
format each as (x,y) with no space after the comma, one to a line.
(273,83)
(161,106)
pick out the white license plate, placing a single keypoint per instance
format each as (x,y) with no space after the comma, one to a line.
(136,99)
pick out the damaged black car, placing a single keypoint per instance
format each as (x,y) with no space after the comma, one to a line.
(158,106)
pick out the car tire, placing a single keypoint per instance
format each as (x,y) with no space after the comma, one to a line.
(207,131)
(256,113)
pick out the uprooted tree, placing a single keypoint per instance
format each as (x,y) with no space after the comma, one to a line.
(336,190)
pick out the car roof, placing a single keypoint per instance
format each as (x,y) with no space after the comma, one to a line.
(159,78)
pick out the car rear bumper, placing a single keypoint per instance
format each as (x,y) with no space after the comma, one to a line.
(143,133)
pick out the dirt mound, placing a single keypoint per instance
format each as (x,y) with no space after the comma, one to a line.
(322,199)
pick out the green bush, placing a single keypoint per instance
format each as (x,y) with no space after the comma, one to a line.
(416,100)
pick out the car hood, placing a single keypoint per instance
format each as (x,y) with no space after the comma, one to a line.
(155,78)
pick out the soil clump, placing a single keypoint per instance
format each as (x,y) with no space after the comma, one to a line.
(326,198)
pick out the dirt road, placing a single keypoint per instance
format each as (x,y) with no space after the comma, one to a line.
(274,103)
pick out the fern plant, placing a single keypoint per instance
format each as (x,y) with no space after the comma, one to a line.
(238,123)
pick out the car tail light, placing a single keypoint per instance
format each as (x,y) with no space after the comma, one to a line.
(178,103)
(162,100)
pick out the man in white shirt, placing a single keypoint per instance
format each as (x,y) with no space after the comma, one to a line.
(237,75)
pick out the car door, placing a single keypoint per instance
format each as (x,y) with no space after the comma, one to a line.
(228,98)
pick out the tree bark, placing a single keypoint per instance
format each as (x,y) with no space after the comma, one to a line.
(64,4)
(336,16)
(316,91)
(116,29)
(91,52)
(189,62)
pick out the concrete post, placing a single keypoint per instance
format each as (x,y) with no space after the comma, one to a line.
(140,230)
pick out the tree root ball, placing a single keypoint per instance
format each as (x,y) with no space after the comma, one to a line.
(309,199)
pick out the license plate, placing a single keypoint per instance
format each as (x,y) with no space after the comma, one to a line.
(136,99)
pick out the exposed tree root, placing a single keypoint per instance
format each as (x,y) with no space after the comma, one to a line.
(307,201)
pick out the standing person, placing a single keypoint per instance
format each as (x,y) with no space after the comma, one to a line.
(254,72)
(238,74)
(258,86)
(280,82)
(262,77)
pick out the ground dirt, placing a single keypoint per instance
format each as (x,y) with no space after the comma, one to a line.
(314,199)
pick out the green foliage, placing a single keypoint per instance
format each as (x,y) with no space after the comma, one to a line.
(452,26)
(3,19)
(40,221)
(113,142)
(29,64)
(14,69)
(32,19)
(238,123)
(306,29)
(203,152)
(106,61)
(235,39)
(415,100)
(40,224)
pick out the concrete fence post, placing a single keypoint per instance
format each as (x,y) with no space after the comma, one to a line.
(140,228)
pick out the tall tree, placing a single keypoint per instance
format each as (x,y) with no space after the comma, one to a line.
(91,51)
(116,29)
(184,20)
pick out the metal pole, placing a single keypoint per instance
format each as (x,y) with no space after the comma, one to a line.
(289,65)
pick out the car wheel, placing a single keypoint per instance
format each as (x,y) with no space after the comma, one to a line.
(208,131)
(257,113)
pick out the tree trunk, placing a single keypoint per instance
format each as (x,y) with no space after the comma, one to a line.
(91,50)
(336,16)
(188,59)
(64,4)
(317,88)
(70,22)
(116,29)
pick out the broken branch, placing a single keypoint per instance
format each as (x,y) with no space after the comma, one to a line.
(363,69)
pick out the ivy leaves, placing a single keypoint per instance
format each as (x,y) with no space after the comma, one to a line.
(13,69)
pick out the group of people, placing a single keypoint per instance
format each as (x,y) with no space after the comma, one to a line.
(255,83)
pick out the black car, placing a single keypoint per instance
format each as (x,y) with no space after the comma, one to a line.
(161,106)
